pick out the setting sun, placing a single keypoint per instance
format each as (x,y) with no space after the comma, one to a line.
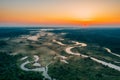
(60,12)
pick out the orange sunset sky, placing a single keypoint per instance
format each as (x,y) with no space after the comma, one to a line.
(59,12)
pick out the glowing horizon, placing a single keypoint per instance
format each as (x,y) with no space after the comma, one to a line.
(61,12)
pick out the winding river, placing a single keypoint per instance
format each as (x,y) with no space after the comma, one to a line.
(109,51)
(40,69)
(68,50)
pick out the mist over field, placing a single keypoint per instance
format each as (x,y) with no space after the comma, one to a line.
(50,53)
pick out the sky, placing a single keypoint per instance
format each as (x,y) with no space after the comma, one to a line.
(59,12)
